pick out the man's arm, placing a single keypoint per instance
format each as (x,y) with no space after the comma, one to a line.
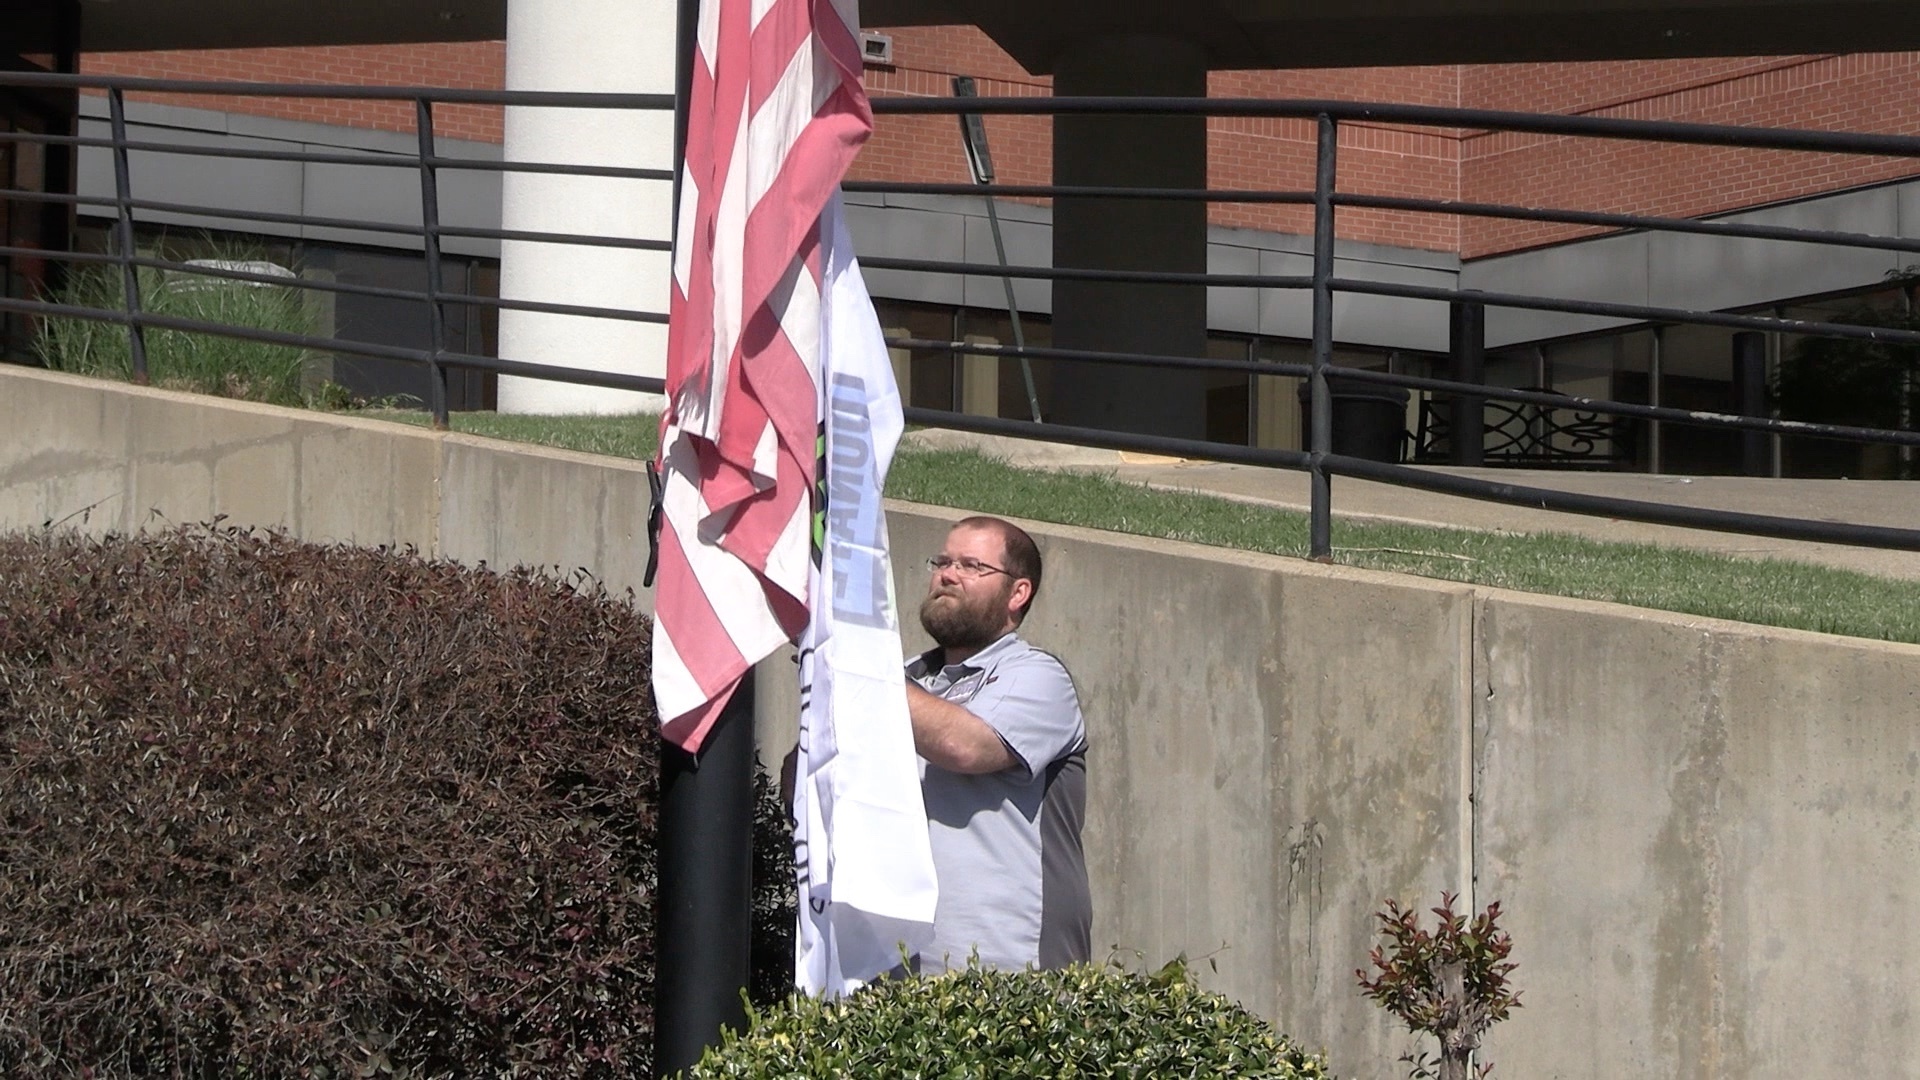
(949,736)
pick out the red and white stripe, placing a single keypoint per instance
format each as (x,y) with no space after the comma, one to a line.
(776,116)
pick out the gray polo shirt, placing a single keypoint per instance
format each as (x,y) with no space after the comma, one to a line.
(1006,845)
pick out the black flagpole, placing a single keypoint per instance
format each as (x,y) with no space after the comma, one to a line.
(705,896)
(706,888)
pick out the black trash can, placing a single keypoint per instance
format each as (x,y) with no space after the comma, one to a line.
(1369,419)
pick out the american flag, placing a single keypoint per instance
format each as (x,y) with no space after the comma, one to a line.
(776,116)
(778,376)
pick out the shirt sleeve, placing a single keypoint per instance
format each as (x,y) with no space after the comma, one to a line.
(1031,703)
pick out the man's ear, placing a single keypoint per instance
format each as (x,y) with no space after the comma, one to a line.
(1018,596)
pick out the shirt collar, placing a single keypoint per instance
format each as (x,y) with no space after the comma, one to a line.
(929,660)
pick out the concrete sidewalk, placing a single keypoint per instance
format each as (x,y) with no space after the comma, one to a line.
(1866,502)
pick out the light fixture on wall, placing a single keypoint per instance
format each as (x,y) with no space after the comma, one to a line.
(876,49)
(973,134)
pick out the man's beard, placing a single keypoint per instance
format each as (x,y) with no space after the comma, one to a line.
(960,624)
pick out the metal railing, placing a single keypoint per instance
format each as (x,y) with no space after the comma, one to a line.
(1318,460)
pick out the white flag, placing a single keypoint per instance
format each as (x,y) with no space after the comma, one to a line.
(865,863)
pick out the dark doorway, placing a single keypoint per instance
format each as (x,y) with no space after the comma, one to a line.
(379,320)
(37,37)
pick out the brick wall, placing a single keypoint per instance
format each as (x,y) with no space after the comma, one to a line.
(463,65)
(1868,92)
(1241,153)
(927,148)
(1373,159)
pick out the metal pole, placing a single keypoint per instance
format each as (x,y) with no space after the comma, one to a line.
(705,894)
(123,237)
(1467,426)
(1320,403)
(1013,312)
(706,888)
(1775,342)
(1906,389)
(1656,373)
(436,314)
(1253,393)
(688,39)
(57,221)
(1750,399)
(973,135)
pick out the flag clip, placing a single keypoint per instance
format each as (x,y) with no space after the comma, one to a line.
(655,502)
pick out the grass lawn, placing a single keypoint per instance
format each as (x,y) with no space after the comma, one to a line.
(1769,592)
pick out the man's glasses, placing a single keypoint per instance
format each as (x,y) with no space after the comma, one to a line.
(969,567)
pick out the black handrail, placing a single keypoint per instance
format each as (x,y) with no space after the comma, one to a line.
(1550,215)
(1593,127)
(1554,399)
(1325,117)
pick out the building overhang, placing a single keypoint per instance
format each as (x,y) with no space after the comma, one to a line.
(1266,34)
(1246,34)
(138,25)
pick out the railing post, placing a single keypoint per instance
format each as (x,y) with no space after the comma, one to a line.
(1750,399)
(1656,375)
(1467,351)
(1320,404)
(430,220)
(123,237)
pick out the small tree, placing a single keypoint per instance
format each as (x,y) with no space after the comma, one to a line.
(1451,983)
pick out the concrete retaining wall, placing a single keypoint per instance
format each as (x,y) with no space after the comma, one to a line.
(1703,832)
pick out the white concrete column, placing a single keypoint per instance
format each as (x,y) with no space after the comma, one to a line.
(621,46)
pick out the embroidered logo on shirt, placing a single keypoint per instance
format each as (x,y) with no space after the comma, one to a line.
(963,689)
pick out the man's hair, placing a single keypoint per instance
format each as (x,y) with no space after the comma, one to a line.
(1023,555)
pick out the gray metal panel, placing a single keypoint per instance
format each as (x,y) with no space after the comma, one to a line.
(331,136)
(1699,272)
(1612,269)
(1379,321)
(1710,273)
(388,196)
(1286,312)
(1390,322)
(1028,244)
(1907,216)
(1234,310)
(906,234)
(926,226)
(467,197)
(94,106)
(215,183)
(1355,250)
(472,199)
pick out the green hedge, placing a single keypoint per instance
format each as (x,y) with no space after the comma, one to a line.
(1083,1022)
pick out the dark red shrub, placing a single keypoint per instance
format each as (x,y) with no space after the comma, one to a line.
(275,809)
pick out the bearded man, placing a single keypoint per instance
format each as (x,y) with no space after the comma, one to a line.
(1003,747)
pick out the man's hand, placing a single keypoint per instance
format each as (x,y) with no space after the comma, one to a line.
(949,736)
(789,777)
